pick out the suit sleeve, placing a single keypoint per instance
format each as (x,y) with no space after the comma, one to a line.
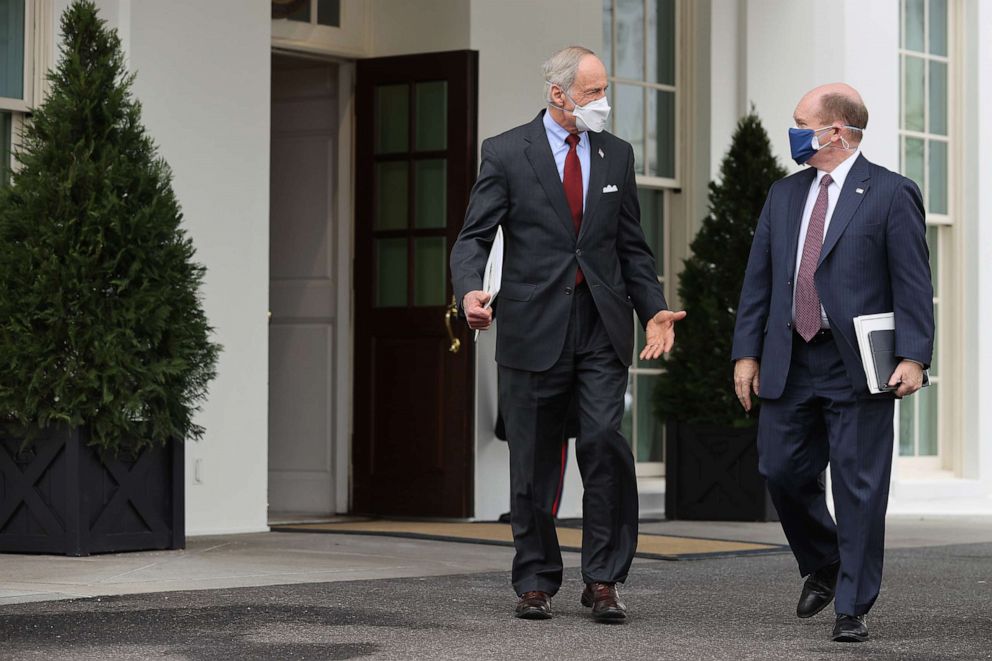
(637,264)
(487,206)
(909,273)
(755,301)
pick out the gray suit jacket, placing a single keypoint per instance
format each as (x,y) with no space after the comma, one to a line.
(519,188)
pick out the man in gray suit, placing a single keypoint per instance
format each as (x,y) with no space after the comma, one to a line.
(576,268)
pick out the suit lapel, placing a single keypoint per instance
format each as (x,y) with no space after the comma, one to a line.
(538,152)
(797,202)
(597,177)
(848,202)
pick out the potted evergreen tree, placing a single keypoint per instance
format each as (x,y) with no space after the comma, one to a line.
(711,464)
(105,351)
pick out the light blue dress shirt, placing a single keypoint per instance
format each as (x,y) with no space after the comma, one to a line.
(559,148)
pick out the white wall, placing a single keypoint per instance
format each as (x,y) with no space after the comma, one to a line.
(976,241)
(514,38)
(402,27)
(793,46)
(203,81)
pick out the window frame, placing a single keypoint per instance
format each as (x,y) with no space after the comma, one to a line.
(643,179)
(944,226)
(350,39)
(22,105)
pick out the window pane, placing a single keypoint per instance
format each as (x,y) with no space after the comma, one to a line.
(938,27)
(938,177)
(648,428)
(329,13)
(629,111)
(652,222)
(608,35)
(302,13)
(912,160)
(430,270)
(390,257)
(661,134)
(12,49)
(912,80)
(630,39)
(392,118)
(430,189)
(928,420)
(432,115)
(5,142)
(938,97)
(906,407)
(391,195)
(661,41)
(913,25)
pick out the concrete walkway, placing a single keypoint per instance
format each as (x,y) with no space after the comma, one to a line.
(314,596)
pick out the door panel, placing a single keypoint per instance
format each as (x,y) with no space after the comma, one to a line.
(416,144)
(302,288)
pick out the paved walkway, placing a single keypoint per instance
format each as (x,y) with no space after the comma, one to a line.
(313,596)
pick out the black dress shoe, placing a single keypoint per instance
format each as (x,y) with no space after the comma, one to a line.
(818,591)
(850,629)
(604,599)
(534,606)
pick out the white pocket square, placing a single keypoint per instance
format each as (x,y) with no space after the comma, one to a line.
(610,189)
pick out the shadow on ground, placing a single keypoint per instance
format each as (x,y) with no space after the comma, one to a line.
(936,604)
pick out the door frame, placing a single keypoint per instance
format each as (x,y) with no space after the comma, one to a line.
(344,245)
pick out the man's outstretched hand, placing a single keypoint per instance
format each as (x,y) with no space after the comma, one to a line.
(660,333)
(479,317)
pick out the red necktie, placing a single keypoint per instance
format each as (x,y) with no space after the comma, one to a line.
(807,299)
(572,180)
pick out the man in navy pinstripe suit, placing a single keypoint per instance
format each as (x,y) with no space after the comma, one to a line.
(842,238)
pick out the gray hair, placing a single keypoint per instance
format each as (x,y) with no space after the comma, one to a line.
(561,68)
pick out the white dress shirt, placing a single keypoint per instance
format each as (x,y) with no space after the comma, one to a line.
(559,148)
(839,175)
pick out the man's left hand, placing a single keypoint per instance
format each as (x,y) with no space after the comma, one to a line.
(908,376)
(660,333)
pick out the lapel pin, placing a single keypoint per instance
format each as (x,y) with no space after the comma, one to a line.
(601,154)
(859,191)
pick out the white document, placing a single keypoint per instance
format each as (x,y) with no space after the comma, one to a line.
(493,275)
(864,325)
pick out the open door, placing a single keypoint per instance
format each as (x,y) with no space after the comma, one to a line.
(415,165)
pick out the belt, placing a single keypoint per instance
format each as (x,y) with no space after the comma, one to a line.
(822,335)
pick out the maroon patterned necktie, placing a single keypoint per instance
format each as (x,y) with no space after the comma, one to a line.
(807,300)
(572,180)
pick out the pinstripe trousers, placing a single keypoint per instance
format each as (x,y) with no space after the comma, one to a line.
(819,419)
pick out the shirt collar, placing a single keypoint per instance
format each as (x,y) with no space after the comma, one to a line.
(557,134)
(839,175)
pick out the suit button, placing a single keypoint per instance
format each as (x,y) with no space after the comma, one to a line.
(788,324)
(578,253)
(789,283)
(568,291)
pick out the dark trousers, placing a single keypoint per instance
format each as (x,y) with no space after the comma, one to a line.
(819,419)
(535,407)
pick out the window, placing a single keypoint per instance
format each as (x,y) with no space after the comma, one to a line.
(926,144)
(5,147)
(318,12)
(641,57)
(14,81)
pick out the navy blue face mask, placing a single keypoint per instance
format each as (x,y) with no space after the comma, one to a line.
(804,142)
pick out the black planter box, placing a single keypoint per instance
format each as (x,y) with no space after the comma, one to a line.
(62,497)
(711,474)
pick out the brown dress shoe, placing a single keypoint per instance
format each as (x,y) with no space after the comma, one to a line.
(534,606)
(605,602)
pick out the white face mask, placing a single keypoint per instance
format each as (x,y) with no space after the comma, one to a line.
(590,117)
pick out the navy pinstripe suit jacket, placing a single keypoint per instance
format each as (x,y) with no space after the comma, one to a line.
(874,259)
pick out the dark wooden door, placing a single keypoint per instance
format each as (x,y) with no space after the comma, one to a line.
(415,164)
